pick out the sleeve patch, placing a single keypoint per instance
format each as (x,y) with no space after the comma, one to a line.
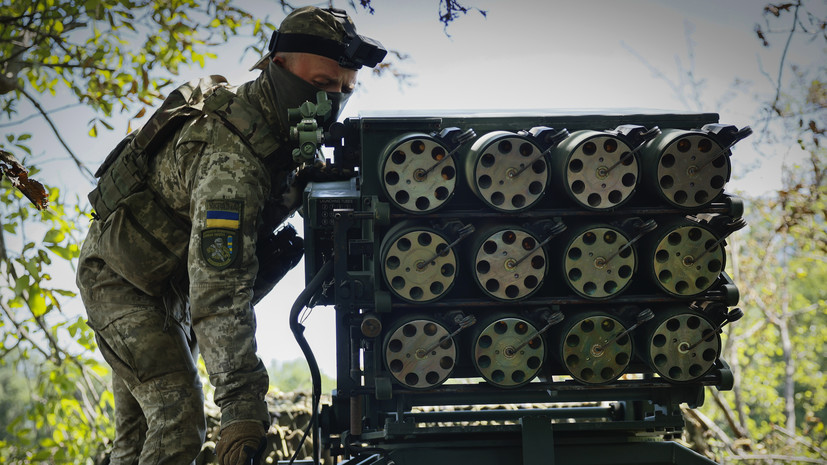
(223,214)
(220,247)
(221,237)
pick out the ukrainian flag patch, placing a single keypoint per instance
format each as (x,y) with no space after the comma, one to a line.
(225,214)
(221,236)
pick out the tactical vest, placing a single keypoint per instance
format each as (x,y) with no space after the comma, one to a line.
(141,237)
(125,169)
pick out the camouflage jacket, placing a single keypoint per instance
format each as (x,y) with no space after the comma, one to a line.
(209,196)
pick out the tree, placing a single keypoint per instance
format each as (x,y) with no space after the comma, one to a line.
(777,410)
(64,418)
(292,376)
(13,397)
(83,49)
(86,48)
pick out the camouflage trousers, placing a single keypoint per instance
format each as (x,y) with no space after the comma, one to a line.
(159,405)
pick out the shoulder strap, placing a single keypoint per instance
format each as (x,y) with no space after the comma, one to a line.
(125,169)
(243,120)
(184,102)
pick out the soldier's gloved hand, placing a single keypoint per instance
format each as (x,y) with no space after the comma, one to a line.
(241,443)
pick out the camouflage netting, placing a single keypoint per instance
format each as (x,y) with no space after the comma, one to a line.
(290,415)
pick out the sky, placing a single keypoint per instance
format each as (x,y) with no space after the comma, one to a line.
(522,55)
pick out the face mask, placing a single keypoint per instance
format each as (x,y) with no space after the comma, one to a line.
(339,100)
(290,90)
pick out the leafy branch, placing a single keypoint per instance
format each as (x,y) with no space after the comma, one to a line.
(81,166)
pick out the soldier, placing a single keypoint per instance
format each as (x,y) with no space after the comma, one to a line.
(182,210)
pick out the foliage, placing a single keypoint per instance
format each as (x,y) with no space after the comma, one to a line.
(778,407)
(64,415)
(777,411)
(88,48)
(13,397)
(294,376)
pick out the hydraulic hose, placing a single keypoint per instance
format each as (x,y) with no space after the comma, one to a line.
(298,333)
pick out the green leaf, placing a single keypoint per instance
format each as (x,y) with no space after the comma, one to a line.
(20,284)
(24,148)
(41,254)
(100,369)
(54,236)
(67,253)
(36,303)
(108,399)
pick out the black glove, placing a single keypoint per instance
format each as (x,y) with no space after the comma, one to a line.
(277,254)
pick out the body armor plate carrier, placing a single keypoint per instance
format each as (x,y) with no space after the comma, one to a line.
(125,169)
(130,210)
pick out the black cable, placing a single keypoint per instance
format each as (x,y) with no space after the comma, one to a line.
(298,333)
(301,442)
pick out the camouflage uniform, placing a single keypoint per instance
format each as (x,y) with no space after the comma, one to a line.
(217,197)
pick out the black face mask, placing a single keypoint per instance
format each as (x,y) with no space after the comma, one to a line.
(291,91)
(339,100)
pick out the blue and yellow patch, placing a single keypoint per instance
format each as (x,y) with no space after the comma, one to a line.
(223,219)
(224,214)
(221,237)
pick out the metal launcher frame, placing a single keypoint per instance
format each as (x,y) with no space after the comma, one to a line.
(524,289)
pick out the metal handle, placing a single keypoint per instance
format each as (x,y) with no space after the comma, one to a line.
(464,232)
(552,320)
(642,317)
(460,139)
(463,322)
(647,136)
(644,228)
(734,315)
